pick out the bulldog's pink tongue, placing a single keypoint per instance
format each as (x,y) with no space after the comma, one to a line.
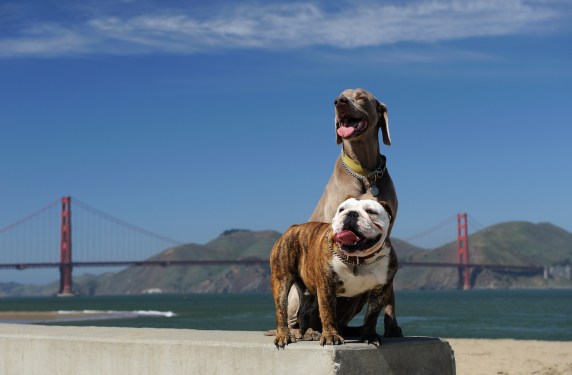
(345,131)
(346,237)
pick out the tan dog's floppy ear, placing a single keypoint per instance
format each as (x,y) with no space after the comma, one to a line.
(383,123)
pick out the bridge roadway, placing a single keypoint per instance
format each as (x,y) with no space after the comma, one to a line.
(250,262)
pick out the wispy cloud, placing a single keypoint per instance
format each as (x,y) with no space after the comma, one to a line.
(277,26)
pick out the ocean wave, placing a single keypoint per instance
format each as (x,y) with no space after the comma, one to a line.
(132,313)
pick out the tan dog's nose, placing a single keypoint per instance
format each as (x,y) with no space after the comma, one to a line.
(340,101)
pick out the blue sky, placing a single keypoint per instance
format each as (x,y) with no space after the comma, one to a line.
(192,119)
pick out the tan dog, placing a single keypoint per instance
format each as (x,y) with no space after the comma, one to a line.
(359,172)
(350,259)
(359,117)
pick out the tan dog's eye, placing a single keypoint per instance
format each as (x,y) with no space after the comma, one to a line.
(371,212)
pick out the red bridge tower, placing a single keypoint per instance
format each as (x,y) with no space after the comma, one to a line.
(463,252)
(66,250)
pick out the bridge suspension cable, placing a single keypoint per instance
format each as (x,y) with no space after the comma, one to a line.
(30,238)
(29,217)
(473,222)
(432,229)
(125,224)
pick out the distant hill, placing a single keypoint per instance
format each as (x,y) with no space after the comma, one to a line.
(405,250)
(516,243)
(232,244)
(11,289)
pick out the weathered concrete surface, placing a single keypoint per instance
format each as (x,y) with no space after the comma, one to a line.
(45,350)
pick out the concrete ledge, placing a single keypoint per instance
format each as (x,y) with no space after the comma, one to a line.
(45,350)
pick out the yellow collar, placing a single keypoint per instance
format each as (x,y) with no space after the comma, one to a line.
(354,166)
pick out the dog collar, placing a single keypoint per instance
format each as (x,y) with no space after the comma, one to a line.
(355,260)
(356,170)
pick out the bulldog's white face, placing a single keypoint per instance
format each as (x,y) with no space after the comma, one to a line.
(360,226)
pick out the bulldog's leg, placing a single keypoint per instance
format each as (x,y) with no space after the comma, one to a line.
(280,288)
(391,329)
(327,308)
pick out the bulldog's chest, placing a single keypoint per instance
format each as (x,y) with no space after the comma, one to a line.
(367,278)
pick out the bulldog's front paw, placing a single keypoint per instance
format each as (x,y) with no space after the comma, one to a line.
(331,338)
(283,339)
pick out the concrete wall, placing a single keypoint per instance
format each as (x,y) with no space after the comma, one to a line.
(45,350)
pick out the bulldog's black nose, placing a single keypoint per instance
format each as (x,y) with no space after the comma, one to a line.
(351,219)
(352,214)
(341,100)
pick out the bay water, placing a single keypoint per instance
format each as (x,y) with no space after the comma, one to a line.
(517,314)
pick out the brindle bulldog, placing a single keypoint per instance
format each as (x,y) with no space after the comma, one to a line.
(350,259)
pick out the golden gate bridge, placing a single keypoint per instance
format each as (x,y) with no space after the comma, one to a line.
(102,240)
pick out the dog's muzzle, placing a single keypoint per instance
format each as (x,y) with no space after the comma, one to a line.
(350,238)
(348,122)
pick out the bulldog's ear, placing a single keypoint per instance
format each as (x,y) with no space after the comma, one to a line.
(383,122)
(388,210)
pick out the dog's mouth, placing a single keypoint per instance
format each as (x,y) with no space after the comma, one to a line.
(352,241)
(348,126)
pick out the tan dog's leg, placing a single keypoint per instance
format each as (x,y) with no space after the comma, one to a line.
(391,329)
(375,303)
(293,307)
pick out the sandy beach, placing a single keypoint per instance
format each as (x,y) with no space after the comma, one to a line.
(511,357)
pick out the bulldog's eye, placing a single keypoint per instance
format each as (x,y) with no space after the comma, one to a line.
(340,210)
(371,212)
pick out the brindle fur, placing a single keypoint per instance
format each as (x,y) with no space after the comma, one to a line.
(301,257)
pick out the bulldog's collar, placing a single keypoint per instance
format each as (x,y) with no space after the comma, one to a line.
(356,261)
(356,170)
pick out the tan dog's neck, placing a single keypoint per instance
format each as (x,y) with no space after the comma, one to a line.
(363,151)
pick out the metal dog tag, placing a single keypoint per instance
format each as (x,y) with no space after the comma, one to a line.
(374,190)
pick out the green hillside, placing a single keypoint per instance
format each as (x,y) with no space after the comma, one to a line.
(240,243)
(513,243)
(406,251)
(232,244)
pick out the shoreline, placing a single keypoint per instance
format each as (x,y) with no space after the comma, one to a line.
(38,317)
(31,317)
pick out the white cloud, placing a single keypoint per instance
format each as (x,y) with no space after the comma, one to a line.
(44,40)
(283,26)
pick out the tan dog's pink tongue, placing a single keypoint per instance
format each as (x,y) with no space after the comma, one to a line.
(345,131)
(346,237)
